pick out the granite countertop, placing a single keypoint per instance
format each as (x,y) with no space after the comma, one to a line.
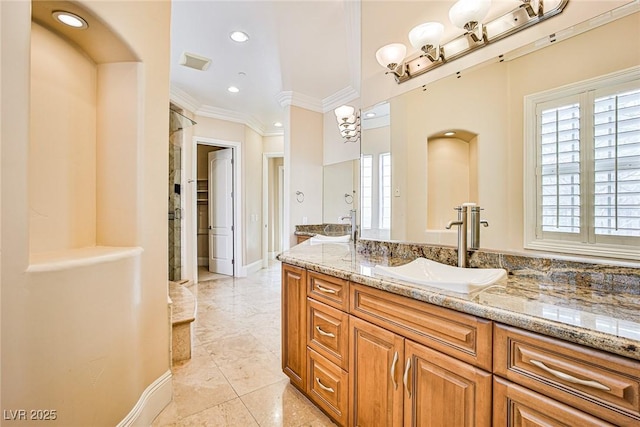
(587,315)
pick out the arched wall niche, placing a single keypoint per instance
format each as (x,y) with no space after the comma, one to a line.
(452,174)
(85,116)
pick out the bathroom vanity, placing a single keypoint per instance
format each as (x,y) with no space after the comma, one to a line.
(535,349)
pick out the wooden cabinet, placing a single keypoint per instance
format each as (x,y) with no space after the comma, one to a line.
(375,375)
(328,387)
(598,383)
(300,239)
(462,336)
(441,391)
(516,406)
(328,332)
(294,325)
(368,358)
(395,381)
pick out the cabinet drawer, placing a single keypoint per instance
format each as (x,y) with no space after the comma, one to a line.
(330,290)
(462,336)
(602,384)
(328,332)
(328,387)
(516,406)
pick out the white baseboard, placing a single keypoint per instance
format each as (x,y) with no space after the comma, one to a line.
(251,268)
(152,401)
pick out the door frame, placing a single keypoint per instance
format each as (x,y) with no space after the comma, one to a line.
(237,202)
(265,204)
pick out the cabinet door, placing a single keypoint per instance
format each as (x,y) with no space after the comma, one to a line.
(516,406)
(441,391)
(375,375)
(294,324)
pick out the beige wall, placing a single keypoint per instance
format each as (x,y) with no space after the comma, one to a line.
(303,160)
(85,328)
(62,152)
(489,102)
(275,205)
(252,167)
(447,179)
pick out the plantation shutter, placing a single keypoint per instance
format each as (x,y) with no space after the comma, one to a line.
(559,169)
(616,121)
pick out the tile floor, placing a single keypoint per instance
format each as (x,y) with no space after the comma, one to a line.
(234,377)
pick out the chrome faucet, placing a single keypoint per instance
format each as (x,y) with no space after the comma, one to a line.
(352,218)
(462,230)
(462,234)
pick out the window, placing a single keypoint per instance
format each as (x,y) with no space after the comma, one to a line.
(366,183)
(582,168)
(385,191)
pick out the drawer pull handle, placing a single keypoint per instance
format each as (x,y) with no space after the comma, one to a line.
(324,387)
(405,377)
(326,334)
(326,290)
(393,371)
(569,378)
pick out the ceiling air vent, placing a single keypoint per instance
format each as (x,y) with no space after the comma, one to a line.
(194,61)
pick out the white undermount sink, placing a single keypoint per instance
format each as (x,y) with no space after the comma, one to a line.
(423,271)
(320,238)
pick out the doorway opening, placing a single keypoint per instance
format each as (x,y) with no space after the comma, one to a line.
(272,206)
(216,209)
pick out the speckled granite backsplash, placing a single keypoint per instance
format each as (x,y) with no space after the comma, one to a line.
(598,277)
(325,229)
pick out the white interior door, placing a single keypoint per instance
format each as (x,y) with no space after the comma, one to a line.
(221,211)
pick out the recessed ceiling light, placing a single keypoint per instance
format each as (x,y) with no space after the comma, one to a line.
(370,114)
(233,89)
(278,124)
(70,19)
(239,36)
(449,133)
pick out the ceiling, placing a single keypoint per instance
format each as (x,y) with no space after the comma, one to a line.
(304,53)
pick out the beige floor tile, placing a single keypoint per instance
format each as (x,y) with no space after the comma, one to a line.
(229,414)
(280,405)
(236,353)
(252,373)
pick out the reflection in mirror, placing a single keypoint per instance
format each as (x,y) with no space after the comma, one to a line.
(375,173)
(451,174)
(487,100)
(339,191)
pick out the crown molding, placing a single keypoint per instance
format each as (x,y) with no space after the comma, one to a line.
(183,99)
(301,100)
(339,98)
(231,116)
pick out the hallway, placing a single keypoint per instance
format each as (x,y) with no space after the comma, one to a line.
(234,377)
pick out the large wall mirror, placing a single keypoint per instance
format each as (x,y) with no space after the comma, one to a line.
(415,171)
(339,191)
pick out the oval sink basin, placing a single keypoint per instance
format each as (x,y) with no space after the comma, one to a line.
(320,238)
(423,271)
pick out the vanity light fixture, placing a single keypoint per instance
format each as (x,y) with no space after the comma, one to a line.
(348,122)
(70,19)
(426,37)
(468,15)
